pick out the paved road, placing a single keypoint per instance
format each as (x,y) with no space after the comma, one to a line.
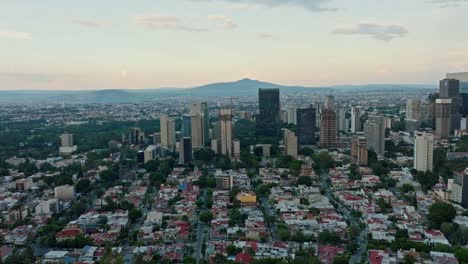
(354,221)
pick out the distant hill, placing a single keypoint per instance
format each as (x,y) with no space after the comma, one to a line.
(244,87)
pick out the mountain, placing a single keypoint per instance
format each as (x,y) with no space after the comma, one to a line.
(244,87)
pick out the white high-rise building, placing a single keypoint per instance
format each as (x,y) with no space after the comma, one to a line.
(168,133)
(374,131)
(413,109)
(423,151)
(150,153)
(292,115)
(355,119)
(225,123)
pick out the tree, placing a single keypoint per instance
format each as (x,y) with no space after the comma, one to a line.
(206,216)
(341,259)
(409,259)
(323,160)
(328,237)
(46,167)
(462,255)
(83,186)
(152,165)
(406,188)
(134,214)
(205,155)
(441,212)
(304,180)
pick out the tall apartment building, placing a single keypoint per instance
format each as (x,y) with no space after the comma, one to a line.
(413,109)
(201,109)
(292,115)
(460,188)
(290,143)
(67,146)
(198,134)
(328,129)
(356,120)
(150,153)
(342,122)
(359,153)
(423,151)
(374,131)
(168,133)
(268,120)
(306,126)
(225,125)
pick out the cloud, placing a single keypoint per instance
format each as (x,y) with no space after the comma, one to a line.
(264,35)
(311,5)
(11,34)
(86,23)
(447,3)
(224,21)
(379,32)
(174,23)
(166,22)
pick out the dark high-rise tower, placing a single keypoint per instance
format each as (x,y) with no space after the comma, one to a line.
(268,120)
(306,120)
(450,89)
(185,150)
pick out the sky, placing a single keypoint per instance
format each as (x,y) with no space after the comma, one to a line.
(136,44)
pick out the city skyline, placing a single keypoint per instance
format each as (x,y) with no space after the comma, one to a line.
(185,43)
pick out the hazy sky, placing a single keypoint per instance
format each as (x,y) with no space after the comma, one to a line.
(97,44)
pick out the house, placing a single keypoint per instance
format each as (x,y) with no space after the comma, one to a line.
(381,257)
(243,258)
(5,252)
(326,254)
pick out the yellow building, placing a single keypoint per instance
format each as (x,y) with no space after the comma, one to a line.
(247,197)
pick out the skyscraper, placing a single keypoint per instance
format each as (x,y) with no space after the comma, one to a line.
(225,123)
(290,143)
(197,127)
(202,110)
(374,131)
(342,124)
(328,129)
(359,154)
(268,120)
(185,150)
(168,135)
(306,126)
(186,128)
(292,115)
(443,123)
(413,109)
(355,120)
(137,136)
(423,151)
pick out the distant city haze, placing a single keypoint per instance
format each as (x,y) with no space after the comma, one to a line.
(91,45)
